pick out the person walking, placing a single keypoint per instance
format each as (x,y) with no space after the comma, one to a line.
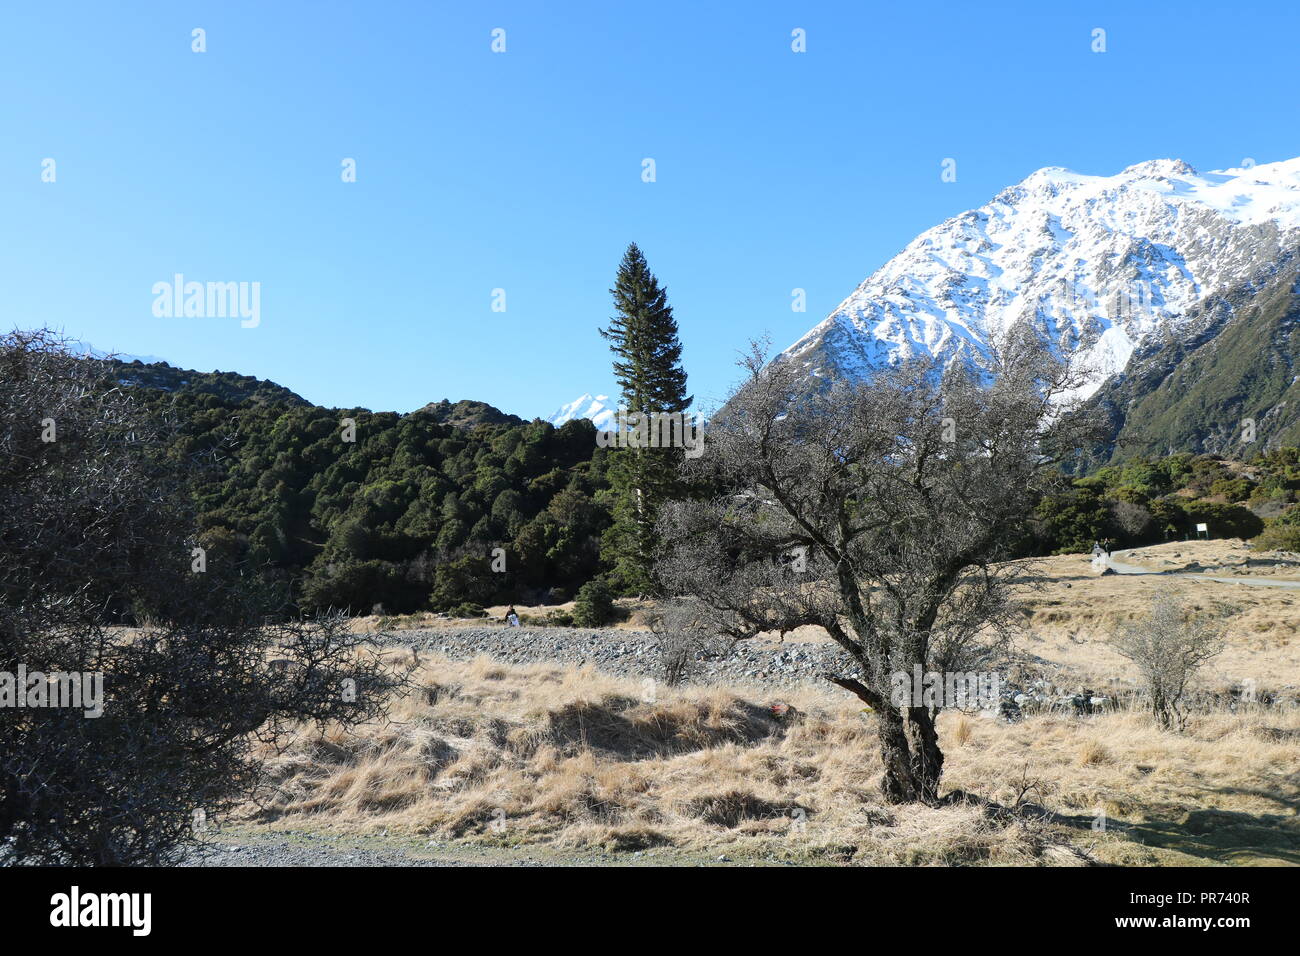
(512,619)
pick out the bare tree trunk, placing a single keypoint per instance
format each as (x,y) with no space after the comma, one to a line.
(898,784)
(909,747)
(910,754)
(927,758)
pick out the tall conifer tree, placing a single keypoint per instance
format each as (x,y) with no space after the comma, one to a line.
(647,366)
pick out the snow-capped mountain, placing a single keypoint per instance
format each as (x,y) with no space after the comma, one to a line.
(86,350)
(600,409)
(1101,263)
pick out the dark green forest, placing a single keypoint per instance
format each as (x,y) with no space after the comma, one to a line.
(404,517)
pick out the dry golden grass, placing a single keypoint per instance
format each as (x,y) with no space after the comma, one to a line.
(1223,557)
(633,615)
(1070,613)
(575,758)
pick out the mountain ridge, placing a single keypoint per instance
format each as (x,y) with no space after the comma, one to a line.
(234,387)
(1097,263)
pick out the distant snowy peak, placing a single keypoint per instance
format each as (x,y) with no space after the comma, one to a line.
(86,350)
(1099,263)
(599,409)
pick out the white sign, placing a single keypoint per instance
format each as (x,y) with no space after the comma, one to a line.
(1202,527)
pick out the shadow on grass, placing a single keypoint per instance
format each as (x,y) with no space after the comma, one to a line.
(1227,837)
(1223,837)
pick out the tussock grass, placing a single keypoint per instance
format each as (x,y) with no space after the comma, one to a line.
(573,757)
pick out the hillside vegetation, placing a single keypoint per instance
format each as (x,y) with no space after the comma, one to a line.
(1151,500)
(1235,361)
(403,517)
(406,517)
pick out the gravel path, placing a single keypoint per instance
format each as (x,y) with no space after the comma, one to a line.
(1121,567)
(260,847)
(306,849)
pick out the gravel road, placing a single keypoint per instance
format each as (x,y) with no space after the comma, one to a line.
(289,848)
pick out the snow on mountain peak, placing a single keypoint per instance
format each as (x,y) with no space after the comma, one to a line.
(1158,169)
(86,350)
(1099,263)
(596,408)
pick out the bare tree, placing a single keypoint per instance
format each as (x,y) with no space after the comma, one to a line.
(97,533)
(682,637)
(1169,644)
(1134,520)
(878,511)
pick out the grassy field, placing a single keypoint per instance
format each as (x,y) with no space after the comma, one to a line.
(564,759)
(571,758)
(1070,612)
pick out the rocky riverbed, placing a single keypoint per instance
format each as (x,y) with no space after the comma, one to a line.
(627,653)
(1028,685)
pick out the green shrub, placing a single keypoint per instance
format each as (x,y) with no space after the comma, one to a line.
(1280,534)
(549,619)
(357,586)
(467,580)
(594,606)
(1225,521)
(1070,523)
(1232,489)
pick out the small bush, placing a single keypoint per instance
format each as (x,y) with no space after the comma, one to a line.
(549,619)
(467,609)
(594,606)
(1280,535)
(1232,489)
(1168,645)
(682,637)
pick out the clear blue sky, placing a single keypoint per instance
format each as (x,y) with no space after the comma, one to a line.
(522,170)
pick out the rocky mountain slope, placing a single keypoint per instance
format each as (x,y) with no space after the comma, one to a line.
(1107,266)
(1228,384)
